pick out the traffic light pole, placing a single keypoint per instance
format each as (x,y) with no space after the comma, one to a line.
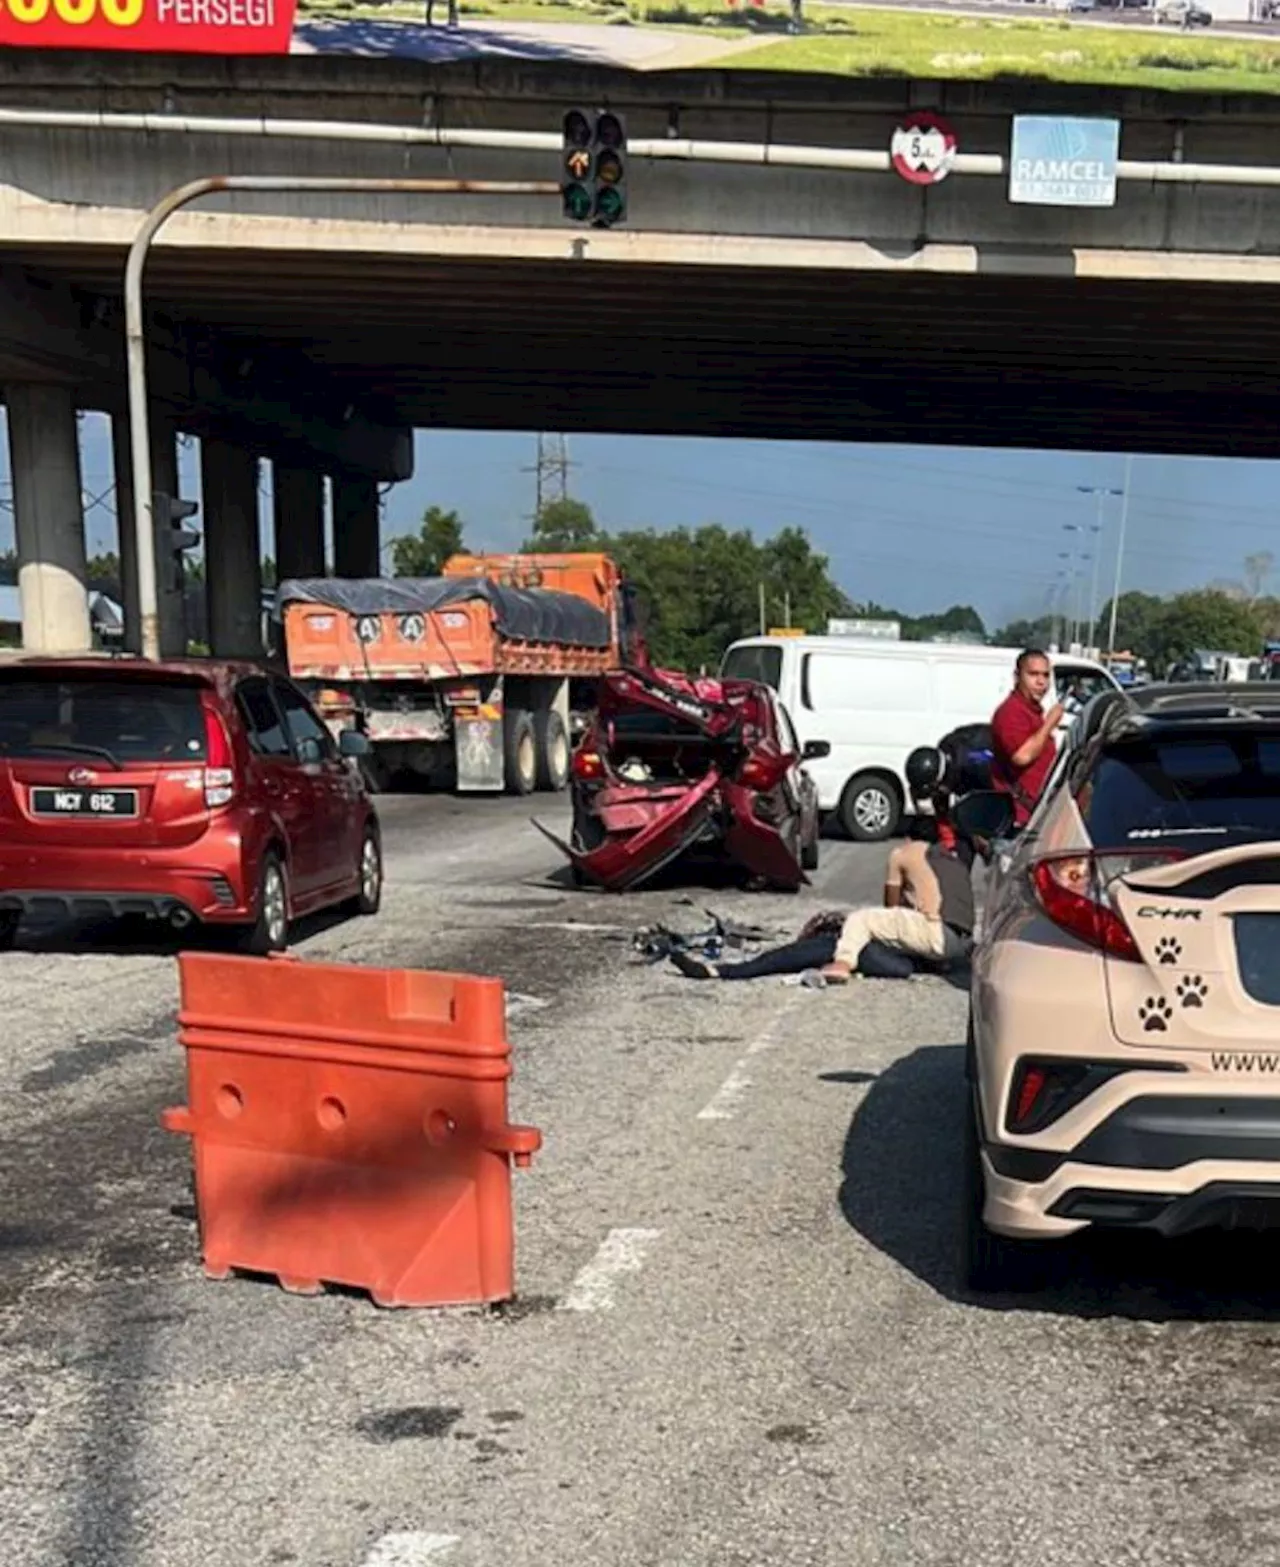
(135,327)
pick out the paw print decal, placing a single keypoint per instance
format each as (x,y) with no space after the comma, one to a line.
(1192,991)
(1155,1013)
(1168,950)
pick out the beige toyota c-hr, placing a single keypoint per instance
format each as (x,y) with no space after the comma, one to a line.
(1124,1052)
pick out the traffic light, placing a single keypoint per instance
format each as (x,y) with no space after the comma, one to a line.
(594,176)
(173,540)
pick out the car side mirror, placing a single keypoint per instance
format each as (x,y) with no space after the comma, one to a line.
(984,814)
(352,743)
(815,750)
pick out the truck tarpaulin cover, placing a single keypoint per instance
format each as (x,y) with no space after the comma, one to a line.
(522,614)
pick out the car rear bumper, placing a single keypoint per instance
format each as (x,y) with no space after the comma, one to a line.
(1168,1162)
(145,882)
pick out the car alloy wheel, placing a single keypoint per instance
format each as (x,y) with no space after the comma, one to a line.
(873,811)
(370,870)
(275,906)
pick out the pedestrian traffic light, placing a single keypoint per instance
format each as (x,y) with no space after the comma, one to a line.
(594,173)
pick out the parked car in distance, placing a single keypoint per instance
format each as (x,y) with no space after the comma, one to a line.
(186,791)
(875,701)
(670,765)
(1183,13)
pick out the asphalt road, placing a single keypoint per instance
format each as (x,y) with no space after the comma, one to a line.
(739,1338)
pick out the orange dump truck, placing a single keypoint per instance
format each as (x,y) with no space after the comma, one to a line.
(472,678)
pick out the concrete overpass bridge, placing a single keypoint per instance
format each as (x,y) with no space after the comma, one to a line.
(775,278)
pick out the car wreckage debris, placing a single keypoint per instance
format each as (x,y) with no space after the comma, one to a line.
(654,943)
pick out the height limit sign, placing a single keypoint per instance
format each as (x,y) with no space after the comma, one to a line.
(923,149)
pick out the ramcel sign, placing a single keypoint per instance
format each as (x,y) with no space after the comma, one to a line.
(168,26)
(1057,162)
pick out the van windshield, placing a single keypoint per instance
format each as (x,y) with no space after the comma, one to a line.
(1081,685)
(758,662)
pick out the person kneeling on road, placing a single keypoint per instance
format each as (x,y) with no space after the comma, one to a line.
(928,911)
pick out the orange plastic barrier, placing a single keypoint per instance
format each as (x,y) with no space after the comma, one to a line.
(350,1127)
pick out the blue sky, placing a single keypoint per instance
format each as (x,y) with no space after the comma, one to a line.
(914,527)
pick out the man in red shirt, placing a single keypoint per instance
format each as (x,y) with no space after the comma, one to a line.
(1022,735)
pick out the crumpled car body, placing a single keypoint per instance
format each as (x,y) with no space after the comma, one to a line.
(670,765)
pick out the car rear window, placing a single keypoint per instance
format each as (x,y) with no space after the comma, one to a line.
(119,721)
(760,663)
(1214,789)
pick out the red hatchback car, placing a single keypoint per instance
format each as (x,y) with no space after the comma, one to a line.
(185,791)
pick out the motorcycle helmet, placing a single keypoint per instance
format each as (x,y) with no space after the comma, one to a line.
(925,768)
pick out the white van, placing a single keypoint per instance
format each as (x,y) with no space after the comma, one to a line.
(875,701)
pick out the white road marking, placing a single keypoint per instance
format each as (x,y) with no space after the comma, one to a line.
(518,1003)
(409,1549)
(580,925)
(621,1251)
(723,1104)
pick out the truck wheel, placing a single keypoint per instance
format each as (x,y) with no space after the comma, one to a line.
(520,751)
(553,751)
(870,808)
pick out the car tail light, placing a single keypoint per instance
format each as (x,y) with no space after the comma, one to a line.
(763,773)
(587,763)
(1072,891)
(219,774)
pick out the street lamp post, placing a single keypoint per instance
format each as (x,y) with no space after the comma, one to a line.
(1101,491)
(1124,518)
(1072,597)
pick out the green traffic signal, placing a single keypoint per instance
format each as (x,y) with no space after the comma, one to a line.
(577,202)
(610,206)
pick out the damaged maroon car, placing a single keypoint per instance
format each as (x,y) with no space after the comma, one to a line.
(671,766)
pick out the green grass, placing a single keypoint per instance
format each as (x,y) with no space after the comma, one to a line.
(897,43)
(888,43)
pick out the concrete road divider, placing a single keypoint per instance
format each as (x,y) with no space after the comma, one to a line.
(349,1126)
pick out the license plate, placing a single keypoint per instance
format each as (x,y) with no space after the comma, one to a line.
(84,802)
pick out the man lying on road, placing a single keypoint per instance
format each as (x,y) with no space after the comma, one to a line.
(928,909)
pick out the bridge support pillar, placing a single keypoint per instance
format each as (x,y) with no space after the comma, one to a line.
(299,521)
(44,452)
(232,554)
(355,528)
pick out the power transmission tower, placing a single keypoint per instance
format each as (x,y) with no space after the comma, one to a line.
(551,472)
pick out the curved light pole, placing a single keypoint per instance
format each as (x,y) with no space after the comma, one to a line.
(135,333)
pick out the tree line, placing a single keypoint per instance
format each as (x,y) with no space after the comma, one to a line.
(701,590)
(698,588)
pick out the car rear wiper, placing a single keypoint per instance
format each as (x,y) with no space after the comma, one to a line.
(77,750)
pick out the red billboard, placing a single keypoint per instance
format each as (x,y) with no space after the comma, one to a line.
(168,26)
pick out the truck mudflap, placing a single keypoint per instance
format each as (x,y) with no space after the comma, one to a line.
(673,821)
(479,752)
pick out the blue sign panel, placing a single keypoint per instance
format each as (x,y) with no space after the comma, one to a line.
(1063,162)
